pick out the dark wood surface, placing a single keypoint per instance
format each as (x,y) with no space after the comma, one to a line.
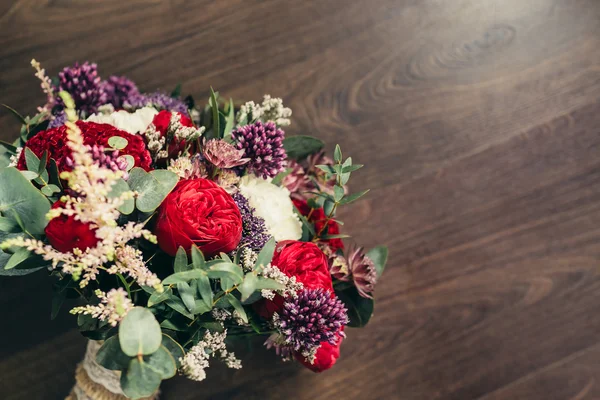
(479,123)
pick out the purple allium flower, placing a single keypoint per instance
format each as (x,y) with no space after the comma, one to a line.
(158,100)
(254,231)
(84,85)
(59,120)
(118,89)
(222,154)
(313,317)
(263,144)
(362,270)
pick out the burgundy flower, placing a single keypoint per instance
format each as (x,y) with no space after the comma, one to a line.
(363,271)
(297,182)
(223,155)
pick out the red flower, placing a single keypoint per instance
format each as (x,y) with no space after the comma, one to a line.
(318,218)
(161,122)
(303,260)
(65,233)
(326,356)
(198,212)
(55,142)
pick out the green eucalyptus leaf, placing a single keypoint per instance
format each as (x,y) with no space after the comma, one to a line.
(162,362)
(29,175)
(338,193)
(187,295)
(174,348)
(353,197)
(300,147)
(184,276)
(152,187)
(177,304)
(266,254)
(226,270)
(139,332)
(181,260)
(237,306)
(157,298)
(198,261)
(379,256)
(337,154)
(8,225)
(117,189)
(205,290)
(110,355)
(139,380)
(253,283)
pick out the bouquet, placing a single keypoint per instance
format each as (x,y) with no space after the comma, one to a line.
(179,228)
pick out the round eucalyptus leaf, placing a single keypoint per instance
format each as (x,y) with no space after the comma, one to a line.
(139,332)
(117,142)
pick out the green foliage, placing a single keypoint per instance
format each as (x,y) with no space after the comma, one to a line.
(140,380)
(230,120)
(23,202)
(379,257)
(118,188)
(117,142)
(359,308)
(110,355)
(266,254)
(139,332)
(300,147)
(152,187)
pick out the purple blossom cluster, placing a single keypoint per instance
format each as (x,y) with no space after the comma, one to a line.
(263,144)
(158,100)
(118,89)
(254,231)
(84,85)
(313,317)
(59,120)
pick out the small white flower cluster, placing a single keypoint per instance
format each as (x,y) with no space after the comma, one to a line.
(195,362)
(248,259)
(273,204)
(46,85)
(155,142)
(188,168)
(291,286)
(14,159)
(91,205)
(132,122)
(271,109)
(180,132)
(224,315)
(113,306)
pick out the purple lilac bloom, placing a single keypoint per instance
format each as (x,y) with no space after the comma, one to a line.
(315,316)
(263,144)
(84,85)
(59,120)
(254,231)
(158,100)
(118,89)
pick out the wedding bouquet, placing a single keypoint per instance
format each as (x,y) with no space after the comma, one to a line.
(181,228)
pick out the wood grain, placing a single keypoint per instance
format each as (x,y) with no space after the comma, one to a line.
(479,125)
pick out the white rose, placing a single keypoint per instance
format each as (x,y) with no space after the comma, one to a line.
(135,122)
(273,204)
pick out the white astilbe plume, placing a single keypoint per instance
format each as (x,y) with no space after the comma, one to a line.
(113,306)
(90,204)
(46,85)
(271,109)
(195,362)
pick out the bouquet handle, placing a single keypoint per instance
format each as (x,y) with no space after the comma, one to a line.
(94,382)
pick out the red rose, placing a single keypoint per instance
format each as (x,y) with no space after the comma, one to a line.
(65,233)
(55,142)
(326,356)
(198,212)
(318,218)
(303,260)
(161,122)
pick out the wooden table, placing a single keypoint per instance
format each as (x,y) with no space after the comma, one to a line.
(479,123)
